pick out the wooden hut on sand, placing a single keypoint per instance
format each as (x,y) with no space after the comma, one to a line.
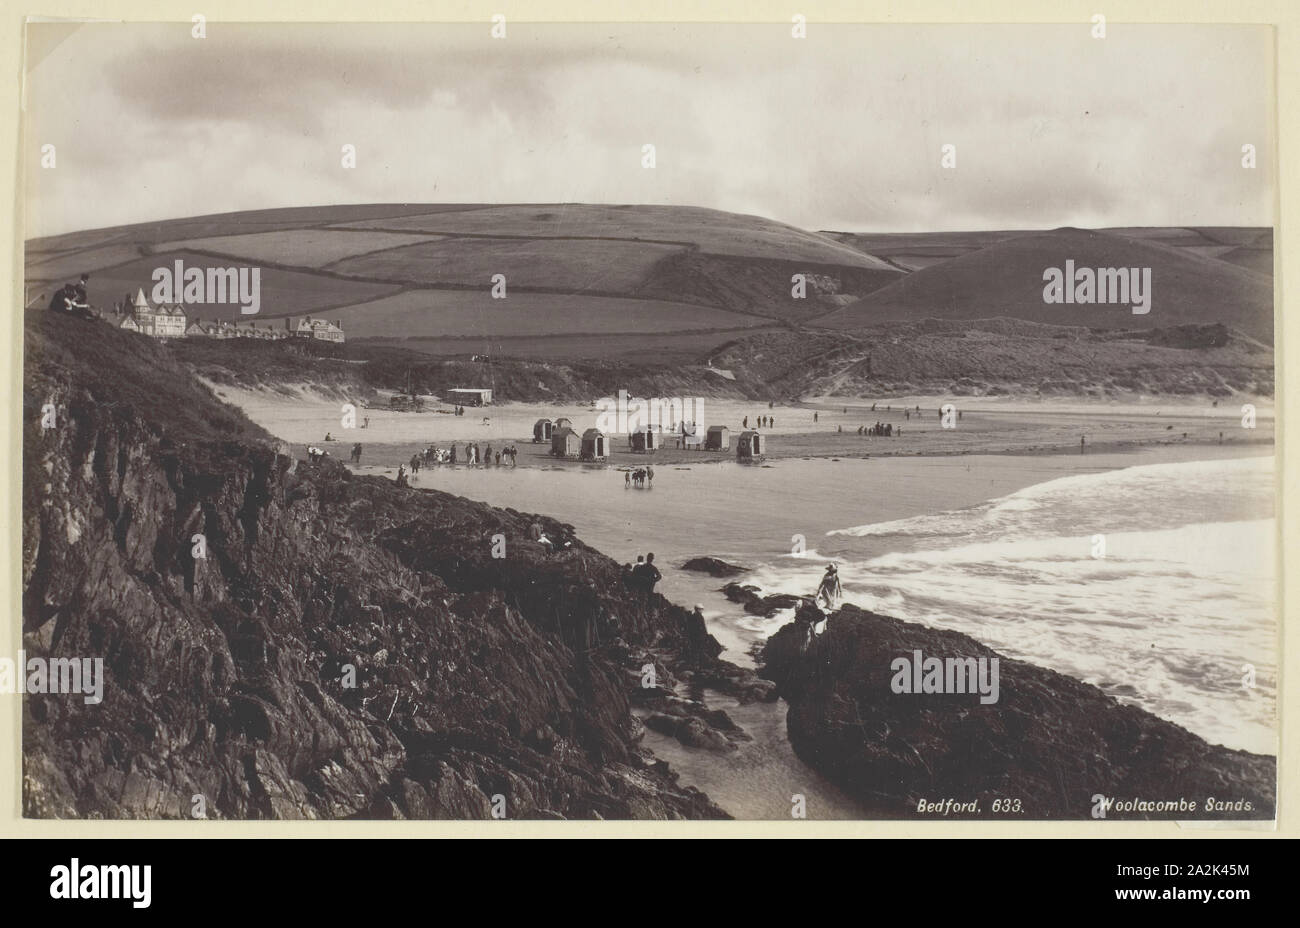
(718,438)
(751,446)
(595,446)
(644,441)
(542,429)
(565,443)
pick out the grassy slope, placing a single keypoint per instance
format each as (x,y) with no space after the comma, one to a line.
(1005,279)
(597,256)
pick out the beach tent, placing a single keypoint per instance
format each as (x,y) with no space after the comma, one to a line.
(718,438)
(750,447)
(644,440)
(565,443)
(563,423)
(542,430)
(595,446)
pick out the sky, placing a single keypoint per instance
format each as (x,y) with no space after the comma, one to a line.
(842,130)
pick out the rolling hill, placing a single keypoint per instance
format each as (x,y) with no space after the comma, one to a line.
(425,271)
(1005,278)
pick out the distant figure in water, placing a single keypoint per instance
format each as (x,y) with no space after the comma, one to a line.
(356,453)
(814,417)
(329,437)
(1081,444)
(365,423)
(830,587)
(744,423)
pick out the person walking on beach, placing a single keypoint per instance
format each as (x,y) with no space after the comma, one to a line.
(829,589)
(627,480)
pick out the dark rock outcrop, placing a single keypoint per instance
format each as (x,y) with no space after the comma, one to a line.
(1050,744)
(343,648)
(755,603)
(713,567)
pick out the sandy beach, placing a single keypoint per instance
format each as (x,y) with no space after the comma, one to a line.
(985,425)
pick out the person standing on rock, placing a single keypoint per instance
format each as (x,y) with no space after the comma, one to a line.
(650,575)
(829,589)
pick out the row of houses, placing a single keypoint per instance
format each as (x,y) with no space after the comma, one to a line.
(593,444)
(160,321)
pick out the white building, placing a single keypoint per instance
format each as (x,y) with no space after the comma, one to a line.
(155,321)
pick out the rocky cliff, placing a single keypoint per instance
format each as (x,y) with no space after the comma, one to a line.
(332,646)
(1047,748)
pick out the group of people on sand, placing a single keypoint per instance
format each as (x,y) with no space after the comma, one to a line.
(472,454)
(641,478)
(880,430)
(643,576)
(760,422)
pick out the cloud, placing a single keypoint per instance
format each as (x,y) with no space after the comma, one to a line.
(841,130)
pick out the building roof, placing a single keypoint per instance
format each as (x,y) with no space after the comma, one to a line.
(593,433)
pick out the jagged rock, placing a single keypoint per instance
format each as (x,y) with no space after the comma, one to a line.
(347,648)
(713,567)
(750,597)
(1050,742)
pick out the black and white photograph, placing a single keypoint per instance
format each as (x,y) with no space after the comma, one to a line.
(523,421)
